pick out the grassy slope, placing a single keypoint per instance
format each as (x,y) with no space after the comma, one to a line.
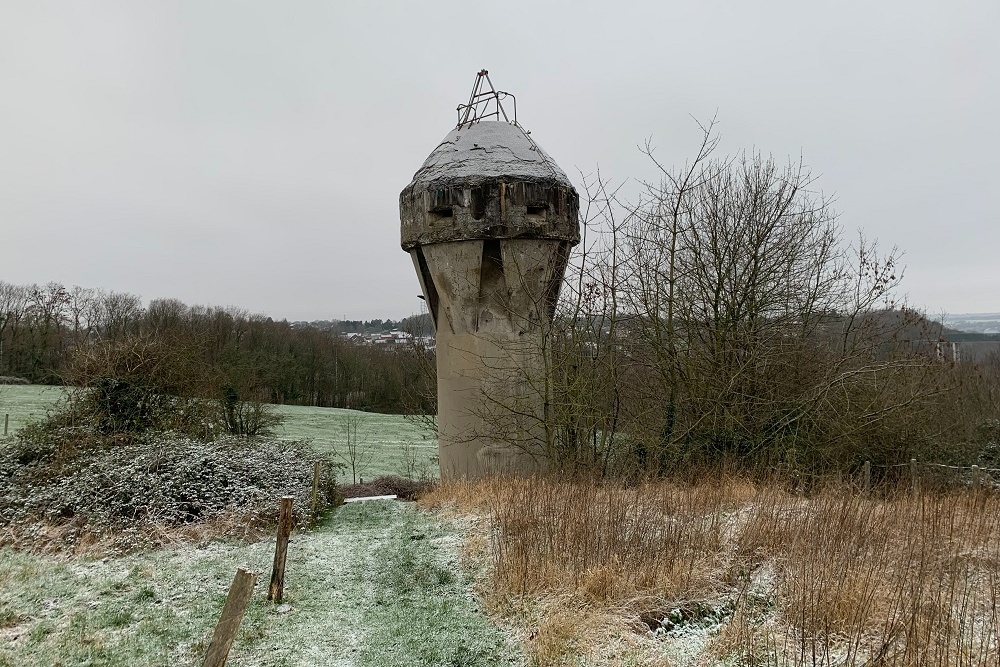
(375,585)
(26,402)
(387,437)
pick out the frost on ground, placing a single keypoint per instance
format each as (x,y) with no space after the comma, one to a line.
(376,584)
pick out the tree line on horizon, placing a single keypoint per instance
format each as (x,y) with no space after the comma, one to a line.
(51,334)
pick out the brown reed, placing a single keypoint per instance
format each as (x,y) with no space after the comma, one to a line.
(837,578)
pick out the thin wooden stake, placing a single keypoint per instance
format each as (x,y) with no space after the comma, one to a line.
(317,470)
(6,420)
(232,615)
(277,588)
(866,473)
(913,477)
(977,478)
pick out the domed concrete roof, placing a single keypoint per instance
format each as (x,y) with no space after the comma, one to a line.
(488,180)
(488,149)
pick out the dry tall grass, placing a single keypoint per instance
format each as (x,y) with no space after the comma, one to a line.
(838,578)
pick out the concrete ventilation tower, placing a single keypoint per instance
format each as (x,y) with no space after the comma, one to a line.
(489,220)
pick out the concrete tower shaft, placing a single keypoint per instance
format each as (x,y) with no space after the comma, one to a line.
(489,220)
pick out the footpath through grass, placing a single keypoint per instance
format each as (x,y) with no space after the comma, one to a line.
(376,585)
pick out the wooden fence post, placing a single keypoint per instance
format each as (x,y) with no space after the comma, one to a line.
(6,420)
(913,477)
(317,470)
(866,474)
(977,478)
(277,588)
(230,619)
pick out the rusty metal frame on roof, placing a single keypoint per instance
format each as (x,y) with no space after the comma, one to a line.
(478,107)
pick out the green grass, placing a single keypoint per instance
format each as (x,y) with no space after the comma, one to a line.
(395,445)
(377,584)
(391,444)
(26,402)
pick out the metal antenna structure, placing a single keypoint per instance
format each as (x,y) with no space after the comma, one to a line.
(485,103)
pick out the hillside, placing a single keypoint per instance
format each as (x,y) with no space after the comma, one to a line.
(982,323)
(389,444)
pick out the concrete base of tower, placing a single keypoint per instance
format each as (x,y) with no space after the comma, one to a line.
(492,301)
(491,409)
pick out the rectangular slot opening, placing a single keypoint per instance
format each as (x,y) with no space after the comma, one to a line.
(441,213)
(537,212)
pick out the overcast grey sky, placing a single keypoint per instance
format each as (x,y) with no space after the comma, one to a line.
(252,153)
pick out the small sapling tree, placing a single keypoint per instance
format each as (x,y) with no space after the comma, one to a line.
(356,451)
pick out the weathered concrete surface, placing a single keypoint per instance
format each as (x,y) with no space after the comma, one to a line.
(489,220)
(490,180)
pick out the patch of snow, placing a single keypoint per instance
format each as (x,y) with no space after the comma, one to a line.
(488,149)
(361,498)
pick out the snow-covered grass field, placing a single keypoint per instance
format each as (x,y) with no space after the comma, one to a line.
(377,584)
(374,584)
(389,444)
(26,402)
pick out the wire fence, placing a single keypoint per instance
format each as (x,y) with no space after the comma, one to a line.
(911,476)
(936,465)
(927,475)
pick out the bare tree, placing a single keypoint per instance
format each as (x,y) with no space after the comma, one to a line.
(80,306)
(723,314)
(357,452)
(13,308)
(47,309)
(118,312)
